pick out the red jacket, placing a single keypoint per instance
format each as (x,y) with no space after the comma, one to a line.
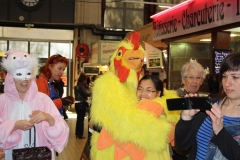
(42,84)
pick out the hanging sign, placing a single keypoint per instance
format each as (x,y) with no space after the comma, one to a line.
(197,15)
(107,49)
(154,57)
(219,55)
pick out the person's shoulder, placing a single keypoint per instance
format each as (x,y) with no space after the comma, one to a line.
(180,92)
(41,79)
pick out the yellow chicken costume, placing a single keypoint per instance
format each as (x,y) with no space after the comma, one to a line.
(129,129)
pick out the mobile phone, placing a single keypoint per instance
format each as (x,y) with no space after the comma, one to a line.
(186,103)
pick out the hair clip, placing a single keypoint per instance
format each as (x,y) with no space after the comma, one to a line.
(191,60)
(207,70)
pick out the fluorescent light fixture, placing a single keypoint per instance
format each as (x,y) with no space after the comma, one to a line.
(174,7)
(234,35)
(206,40)
(153,3)
(164,6)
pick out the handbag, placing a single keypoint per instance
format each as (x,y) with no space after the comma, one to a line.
(34,153)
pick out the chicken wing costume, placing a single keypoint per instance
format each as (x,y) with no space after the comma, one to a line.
(20,66)
(129,129)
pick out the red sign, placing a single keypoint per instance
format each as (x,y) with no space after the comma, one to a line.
(194,15)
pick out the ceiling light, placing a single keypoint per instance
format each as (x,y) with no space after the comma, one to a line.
(206,40)
(174,7)
(164,6)
(234,35)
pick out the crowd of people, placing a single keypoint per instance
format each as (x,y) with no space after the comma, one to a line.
(196,134)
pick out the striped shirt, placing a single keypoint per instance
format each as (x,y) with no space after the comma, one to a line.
(204,135)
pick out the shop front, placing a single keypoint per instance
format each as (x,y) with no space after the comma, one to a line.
(205,30)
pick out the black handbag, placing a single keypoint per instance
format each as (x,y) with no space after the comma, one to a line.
(34,153)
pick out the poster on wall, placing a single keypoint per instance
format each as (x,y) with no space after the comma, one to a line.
(94,54)
(154,56)
(219,55)
(107,49)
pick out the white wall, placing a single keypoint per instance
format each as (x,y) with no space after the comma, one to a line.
(36,33)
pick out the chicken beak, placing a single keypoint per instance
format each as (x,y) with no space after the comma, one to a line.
(134,59)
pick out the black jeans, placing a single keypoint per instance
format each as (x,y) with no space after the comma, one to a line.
(80,110)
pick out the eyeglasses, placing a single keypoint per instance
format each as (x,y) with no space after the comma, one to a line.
(147,91)
(192,78)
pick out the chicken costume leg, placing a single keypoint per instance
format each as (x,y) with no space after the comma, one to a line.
(115,108)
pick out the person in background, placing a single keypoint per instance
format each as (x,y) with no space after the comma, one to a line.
(165,83)
(214,134)
(81,95)
(23,106)
(213,85)
(193,75)
(51,72)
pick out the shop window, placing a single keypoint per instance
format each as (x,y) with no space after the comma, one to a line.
(159,9)
(21,45)
(119,15)
(65,49)
(3,47)
(39,48)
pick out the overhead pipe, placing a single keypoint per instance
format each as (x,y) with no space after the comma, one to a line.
(95,29)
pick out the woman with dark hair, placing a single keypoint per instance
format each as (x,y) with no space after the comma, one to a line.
(81,95)
(50,72)
(150,87)
(214,134)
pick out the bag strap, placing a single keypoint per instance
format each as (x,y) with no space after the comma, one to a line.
(30,138)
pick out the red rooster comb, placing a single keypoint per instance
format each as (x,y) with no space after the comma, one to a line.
(134,38)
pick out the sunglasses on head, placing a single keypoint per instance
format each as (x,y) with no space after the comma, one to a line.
(55,57)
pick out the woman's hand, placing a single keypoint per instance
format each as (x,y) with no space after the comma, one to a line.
(2,154)
(187,115)
(39,116)
(216,117)
(22,125)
